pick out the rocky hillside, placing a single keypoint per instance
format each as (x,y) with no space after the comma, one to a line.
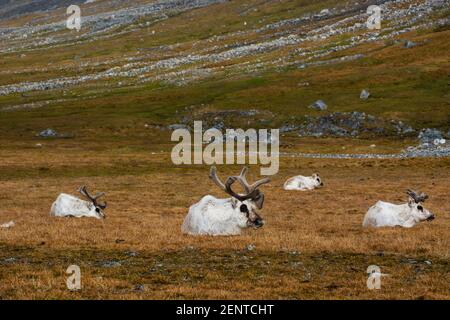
(312,68)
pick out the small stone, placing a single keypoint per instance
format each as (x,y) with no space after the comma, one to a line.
(10,260)
(430,136)
(111,264)
(250,247)
(131,253)
(364,94)
(48,133)
(139,287)
(428,262)
(319,105)
(409,44)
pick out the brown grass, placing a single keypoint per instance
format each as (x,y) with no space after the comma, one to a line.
(312,246)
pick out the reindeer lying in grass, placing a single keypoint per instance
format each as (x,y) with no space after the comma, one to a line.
(70,206)
(384,214)
(212,216)
(303,183)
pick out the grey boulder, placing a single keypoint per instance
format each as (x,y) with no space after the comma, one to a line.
(364,94)
(48,133)
(319,105)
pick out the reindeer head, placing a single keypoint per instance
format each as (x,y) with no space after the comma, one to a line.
(317,181)
(246,205)
(415,201)
(97,207)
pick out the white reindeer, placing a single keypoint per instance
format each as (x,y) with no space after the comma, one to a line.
(303,183)
(67,205)
(385,214)
(220,217)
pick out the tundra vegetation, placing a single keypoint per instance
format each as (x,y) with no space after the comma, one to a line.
(113,93)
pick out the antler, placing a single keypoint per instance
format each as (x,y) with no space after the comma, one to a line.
(417,197)
(85,193)
(251,190)
(227,186)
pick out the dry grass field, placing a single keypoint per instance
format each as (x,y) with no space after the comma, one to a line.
(312,246)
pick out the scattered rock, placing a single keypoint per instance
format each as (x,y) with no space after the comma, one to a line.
(111,264)
(131,253)
(307,277)
(319,105)
(139,287)
(429,136)
(364,94)
(409,44)
(409,261)
(351,124)
(288,128)
(436,148)
(9,260)
(45,33)
(47,133)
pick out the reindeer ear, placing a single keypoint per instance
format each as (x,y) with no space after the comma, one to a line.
(260,201)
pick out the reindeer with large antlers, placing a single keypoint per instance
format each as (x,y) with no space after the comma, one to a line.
(385,214)
(212,216)
(67,205)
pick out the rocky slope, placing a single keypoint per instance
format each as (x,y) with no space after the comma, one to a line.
(127,46)
(290,42)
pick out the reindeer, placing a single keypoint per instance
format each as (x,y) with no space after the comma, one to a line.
(303,183)
(67,205)
(384,214)
(220,217)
